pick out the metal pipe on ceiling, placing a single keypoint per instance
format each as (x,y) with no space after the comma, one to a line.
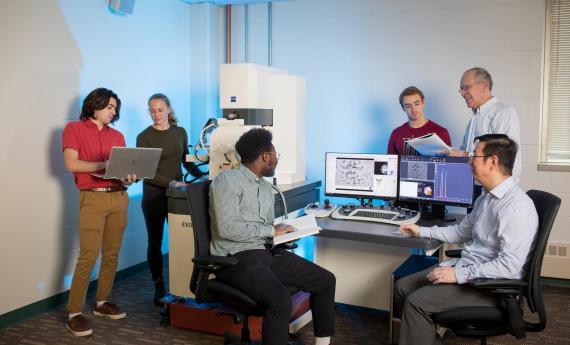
(269,33)
(228,33)
(246,30)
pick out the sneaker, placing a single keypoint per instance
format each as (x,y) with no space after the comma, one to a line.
(79,326)
(109,310)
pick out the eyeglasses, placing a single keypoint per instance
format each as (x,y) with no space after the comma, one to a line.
(466,88)
(473,155)
(277,155)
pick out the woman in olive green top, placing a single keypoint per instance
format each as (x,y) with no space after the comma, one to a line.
(165,134)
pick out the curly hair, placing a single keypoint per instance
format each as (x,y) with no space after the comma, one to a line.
(253,143)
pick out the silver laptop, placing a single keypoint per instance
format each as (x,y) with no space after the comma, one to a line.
(139,161)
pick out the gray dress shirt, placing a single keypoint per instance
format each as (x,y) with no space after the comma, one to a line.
(241,210)
(495,117)
(502,228)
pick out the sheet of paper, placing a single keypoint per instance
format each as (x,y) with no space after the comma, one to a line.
(429,145)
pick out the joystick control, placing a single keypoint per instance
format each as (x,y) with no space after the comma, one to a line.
(320,210)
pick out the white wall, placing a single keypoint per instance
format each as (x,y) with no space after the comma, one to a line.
(53,54)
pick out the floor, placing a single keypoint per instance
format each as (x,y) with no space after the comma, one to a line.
(142,325)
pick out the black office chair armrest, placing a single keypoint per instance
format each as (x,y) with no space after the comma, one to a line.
(213,263)
(490,283)
(453,253)
(207,265)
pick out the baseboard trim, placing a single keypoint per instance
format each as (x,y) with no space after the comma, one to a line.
(47,304)
(555,282)
(370,311)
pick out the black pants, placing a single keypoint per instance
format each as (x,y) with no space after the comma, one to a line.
(263,276)
(155,210)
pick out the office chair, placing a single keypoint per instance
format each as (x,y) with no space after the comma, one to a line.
(483,322)
(208,290)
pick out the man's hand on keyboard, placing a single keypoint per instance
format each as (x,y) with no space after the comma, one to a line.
(410,230)
(282,228)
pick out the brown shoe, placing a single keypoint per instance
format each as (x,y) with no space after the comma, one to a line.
(109,310)
(79,326)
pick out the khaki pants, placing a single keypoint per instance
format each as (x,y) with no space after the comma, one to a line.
(102,222)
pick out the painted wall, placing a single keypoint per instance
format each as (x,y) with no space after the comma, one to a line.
(54,53)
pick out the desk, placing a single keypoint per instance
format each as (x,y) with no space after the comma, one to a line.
(363,256)
(372,232)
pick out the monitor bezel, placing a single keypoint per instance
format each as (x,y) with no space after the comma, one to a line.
(357,196)
(433,201)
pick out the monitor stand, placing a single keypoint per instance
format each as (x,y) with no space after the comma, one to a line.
(436,213)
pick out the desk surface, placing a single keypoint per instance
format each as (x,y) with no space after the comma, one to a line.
(380,233)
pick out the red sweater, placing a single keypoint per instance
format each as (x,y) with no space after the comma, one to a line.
(399,136)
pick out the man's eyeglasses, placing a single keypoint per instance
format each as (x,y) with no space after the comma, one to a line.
(473,155)
(466,88)
(277,155)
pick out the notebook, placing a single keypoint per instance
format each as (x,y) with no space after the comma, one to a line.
(139,161)
(305,226)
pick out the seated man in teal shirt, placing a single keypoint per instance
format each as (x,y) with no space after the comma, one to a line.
(242,212)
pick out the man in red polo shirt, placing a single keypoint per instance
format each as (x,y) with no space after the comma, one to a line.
(102,205)
(412,102)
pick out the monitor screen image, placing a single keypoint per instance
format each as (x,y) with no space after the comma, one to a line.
(361,175)
(436,180)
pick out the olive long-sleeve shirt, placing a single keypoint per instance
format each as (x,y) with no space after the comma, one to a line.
(174,144)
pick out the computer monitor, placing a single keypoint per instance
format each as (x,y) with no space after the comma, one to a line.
(361,175)
(436,180)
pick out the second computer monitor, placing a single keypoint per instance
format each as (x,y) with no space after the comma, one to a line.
(436,180)
(361,175)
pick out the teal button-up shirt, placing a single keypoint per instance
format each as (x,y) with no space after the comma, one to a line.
(241,210)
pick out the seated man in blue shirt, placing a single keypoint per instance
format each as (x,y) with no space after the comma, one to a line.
(501,228)
(242,212)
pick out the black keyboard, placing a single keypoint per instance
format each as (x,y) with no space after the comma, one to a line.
(375,214)
(389,215)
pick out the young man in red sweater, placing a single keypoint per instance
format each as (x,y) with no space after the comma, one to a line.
(412,102)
